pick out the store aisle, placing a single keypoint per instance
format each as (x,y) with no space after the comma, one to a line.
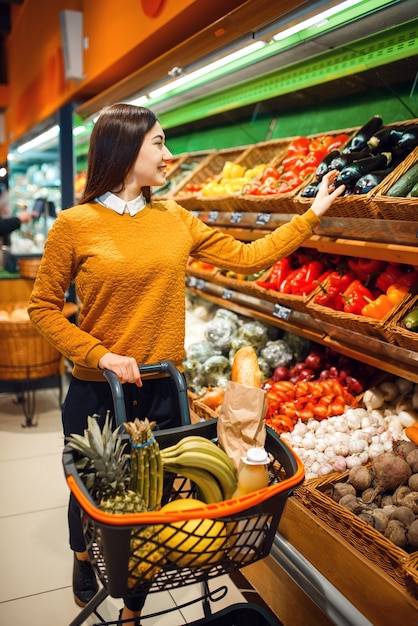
(36,564)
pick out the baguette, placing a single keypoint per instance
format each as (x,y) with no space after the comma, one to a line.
(245,368)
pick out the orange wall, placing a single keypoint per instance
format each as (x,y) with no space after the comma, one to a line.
(121,37)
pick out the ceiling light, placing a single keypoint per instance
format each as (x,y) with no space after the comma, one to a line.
(51,133)
(315,20)
(206,69)
(139,101)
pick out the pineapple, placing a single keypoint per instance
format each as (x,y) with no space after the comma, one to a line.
(105,470)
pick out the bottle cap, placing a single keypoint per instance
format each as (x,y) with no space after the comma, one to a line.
(256,456)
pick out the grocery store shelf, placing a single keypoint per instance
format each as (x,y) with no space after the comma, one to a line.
(379,354)
(376,239)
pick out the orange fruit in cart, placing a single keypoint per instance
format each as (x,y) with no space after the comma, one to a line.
(194,542)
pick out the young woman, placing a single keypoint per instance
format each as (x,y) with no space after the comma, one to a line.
(127,256)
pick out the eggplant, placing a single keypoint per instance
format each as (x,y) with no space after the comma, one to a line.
(369,181)
(351,173)
(385,139)
(340,162)
(310,190)
(409,138)
(323,167)
(359,141)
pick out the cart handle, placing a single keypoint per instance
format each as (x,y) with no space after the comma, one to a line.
(163,367)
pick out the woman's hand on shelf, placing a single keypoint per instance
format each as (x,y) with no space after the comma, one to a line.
(327,193)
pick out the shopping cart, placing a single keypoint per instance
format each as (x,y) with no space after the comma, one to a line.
(238,532)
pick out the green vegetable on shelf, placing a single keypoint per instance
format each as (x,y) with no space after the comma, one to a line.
(402,187)
(410,321)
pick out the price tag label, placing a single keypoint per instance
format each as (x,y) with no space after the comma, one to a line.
(236,217)
(191,281)
(195,213)
(200,284)
(263,218)
(281,312)
(213,216)
(227,294)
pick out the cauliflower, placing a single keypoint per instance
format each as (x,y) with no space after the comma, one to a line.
(200,351)
(277,353)
(219,333)
(254,334)
(216,371)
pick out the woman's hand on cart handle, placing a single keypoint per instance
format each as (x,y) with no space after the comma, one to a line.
(327,193)
(125,367)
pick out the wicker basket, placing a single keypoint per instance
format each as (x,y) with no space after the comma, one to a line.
(183,169)
(210,167)
(203,411)
(380,329)
(28,268)
(25,354)
(390,208)
(369,542)
(411,570)
(362,206)
(403,337)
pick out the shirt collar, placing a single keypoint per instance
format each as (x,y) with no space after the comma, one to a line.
(121,206)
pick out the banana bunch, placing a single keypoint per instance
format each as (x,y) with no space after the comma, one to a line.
(204,463)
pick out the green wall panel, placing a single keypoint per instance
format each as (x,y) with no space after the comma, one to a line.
(336,114)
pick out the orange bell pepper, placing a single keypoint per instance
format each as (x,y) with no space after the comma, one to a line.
(396,292)
(377,309)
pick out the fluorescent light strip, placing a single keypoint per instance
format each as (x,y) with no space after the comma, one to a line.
(49,134)
(316,19)
(183,80)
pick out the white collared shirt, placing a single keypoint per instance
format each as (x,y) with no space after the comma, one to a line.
(121,206)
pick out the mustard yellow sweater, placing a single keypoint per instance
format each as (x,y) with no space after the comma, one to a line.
(129,274)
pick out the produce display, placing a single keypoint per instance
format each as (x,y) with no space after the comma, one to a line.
(384,494)
(367,158)
(359,434)
(367,287)
(302,158)
(174,179)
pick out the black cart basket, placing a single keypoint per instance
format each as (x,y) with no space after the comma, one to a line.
(166,550)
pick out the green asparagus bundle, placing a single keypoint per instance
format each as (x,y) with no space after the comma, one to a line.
(146,463)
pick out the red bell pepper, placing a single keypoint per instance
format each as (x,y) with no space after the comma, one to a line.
(354,266)
(314,271)
(280,270)
(355,297)
(410,279)
(298,280)
(371,266)
(329,297)
(341,279)
(286,284)
(390,276)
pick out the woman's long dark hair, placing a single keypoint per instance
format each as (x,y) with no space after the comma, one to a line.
(115,141)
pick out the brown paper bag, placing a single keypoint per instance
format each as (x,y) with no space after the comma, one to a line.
(241,421)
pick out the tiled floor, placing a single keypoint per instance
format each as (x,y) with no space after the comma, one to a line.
(36,563)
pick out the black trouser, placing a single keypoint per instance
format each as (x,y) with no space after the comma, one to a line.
(157,400)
